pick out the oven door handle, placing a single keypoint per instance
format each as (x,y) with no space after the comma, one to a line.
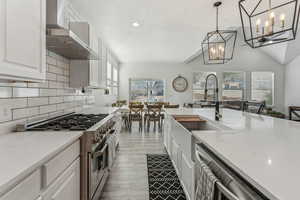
(97,154)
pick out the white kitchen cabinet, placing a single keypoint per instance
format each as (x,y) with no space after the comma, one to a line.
(67,186)
(23,40)
(94,41)
(57,179)
(102,64)
(178,142)
(87,73)
(28,189)
(84,74)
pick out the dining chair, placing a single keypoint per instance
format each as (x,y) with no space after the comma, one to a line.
(136,115)
(153,115)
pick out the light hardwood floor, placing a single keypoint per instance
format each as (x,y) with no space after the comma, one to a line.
(128,179)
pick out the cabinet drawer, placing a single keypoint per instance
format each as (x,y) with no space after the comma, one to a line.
(28,189)
(53,168)
(66,186)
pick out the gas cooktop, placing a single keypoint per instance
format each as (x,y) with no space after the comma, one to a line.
(74,122)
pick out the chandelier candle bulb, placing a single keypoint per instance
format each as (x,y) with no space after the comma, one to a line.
(258,22)
(272,17)
(282,20)
(279,21)
(267,28)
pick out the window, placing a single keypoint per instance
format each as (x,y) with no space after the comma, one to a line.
(233,85)
(115,75)
(199,86)
(262,87)
(112,79)
(147,90)
(108,71)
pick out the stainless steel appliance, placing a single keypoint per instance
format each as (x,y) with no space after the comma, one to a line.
(239,188)
(99,132)
(70,39)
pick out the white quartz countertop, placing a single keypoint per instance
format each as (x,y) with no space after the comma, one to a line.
(262,149)
(22,153)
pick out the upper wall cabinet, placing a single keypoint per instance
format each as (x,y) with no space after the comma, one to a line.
(23,40)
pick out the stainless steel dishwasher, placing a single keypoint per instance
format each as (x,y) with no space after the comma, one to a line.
(239,188)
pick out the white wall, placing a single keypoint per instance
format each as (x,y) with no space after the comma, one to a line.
(292,89)
(245,59)
(103,100)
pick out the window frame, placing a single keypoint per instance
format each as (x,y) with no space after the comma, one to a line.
(111,84)
(247,84)
(146,79)
(221,89)
(273,86)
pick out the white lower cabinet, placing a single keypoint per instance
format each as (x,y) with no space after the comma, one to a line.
(27,189)
(177,141)
(67,186)
(188,174)
(57,179)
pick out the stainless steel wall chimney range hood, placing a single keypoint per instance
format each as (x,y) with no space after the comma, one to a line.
(68,39)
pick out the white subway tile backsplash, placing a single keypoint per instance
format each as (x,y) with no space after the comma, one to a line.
(25,112)
(6,106)
(47,92)
(38,101)
(5,92)
(22,102)
(25,92)
(51,60)
(38,85)
(51,76)
(47,109)
(53,84)
(55,70)
(12,84)
(61,78)
(68,98)
(54,100)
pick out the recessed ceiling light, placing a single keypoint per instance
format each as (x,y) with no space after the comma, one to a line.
(135,24)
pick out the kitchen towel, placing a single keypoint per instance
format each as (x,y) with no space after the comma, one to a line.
(220,173)
(206,182)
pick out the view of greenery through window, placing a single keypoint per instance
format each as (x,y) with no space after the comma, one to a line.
(233,85)
(262,86)
(144,90)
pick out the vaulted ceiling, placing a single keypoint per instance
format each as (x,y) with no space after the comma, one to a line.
(169,31)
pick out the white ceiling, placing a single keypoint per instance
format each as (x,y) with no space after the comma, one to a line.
(170,31)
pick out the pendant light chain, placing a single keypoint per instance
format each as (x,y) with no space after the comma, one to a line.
(217,20)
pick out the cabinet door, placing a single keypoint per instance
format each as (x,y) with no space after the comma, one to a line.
(94,73)
(23,40)
(188,176)
(67,186)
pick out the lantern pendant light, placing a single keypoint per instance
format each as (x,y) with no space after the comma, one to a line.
(265,23)
(218,46)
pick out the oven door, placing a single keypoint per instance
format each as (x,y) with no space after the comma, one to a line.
(98,164)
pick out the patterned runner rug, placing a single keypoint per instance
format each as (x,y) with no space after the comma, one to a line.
(164,183)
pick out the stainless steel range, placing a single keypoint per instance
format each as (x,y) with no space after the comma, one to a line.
(98,144)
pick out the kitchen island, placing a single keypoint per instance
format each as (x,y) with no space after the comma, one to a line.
(262,149)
